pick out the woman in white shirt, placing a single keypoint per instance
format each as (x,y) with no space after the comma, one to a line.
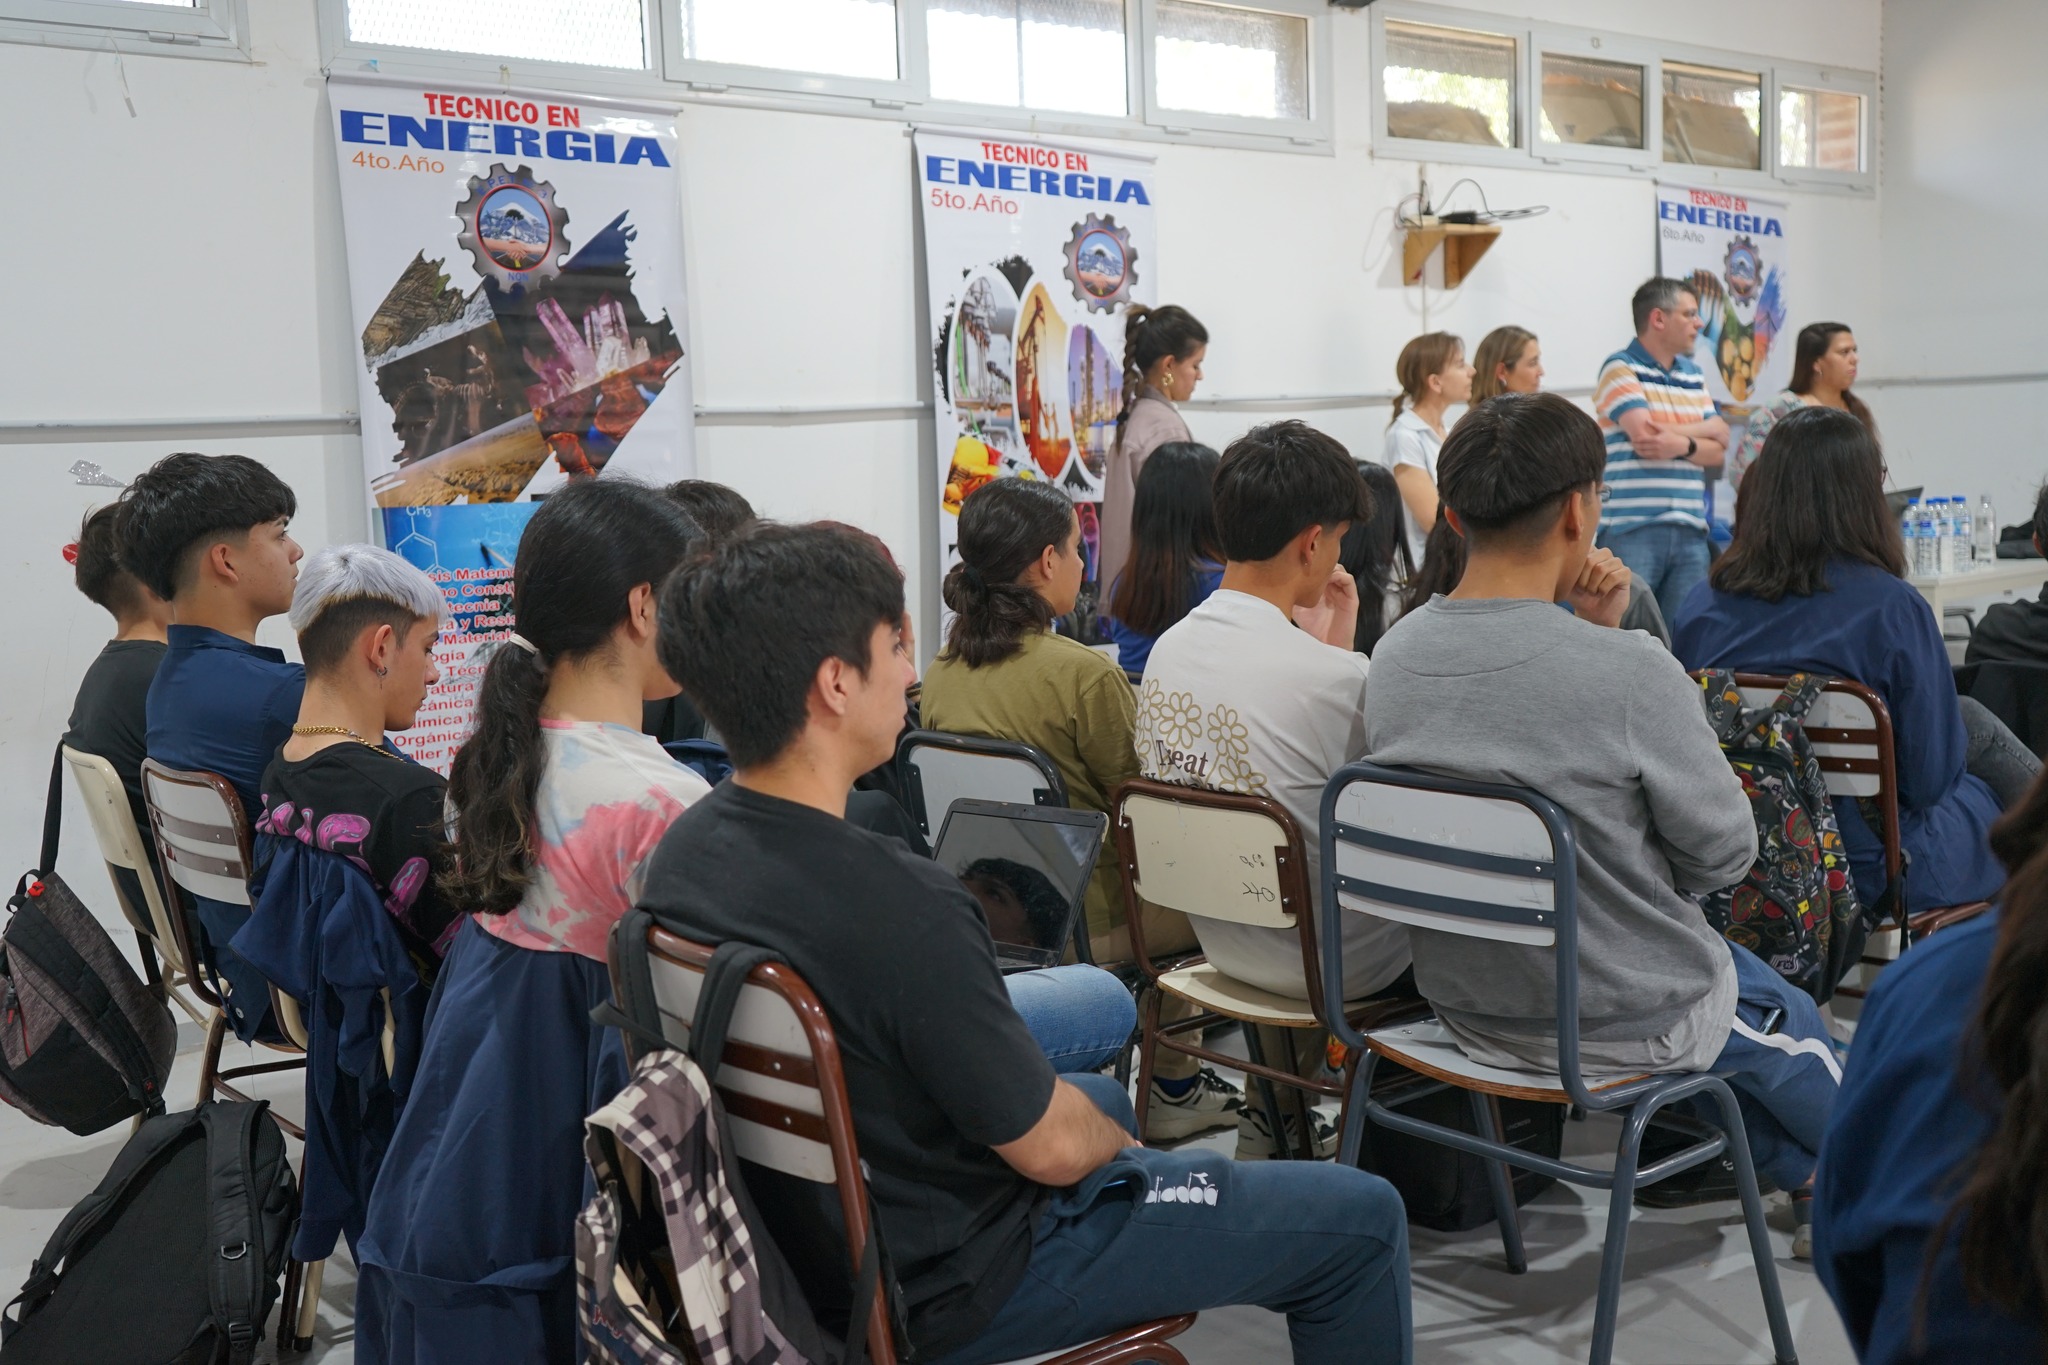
(1434,377)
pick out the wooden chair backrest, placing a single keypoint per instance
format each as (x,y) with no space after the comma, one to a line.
(201,832)
(121,846)
(1213,855)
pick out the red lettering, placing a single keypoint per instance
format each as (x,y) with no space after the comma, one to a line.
(1076,161)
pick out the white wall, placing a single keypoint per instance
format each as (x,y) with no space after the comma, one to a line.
(187,263)
(1962,280)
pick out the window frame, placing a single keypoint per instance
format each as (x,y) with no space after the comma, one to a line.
(217,29)
(1595,47)
(717,77)
(1830,80)
(1766,126)
(1311,131)
(1424,149)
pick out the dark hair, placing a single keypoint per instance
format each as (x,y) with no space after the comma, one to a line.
(582,554)
(183,499)
(1659,293)
(1045,906)
(1173,530)
(1814,340)
(717,510)
(1501,346)
(327,641)
(1276,481)
(760,613)
(1150,336)
(1376,554)
(1508,465)
(98,570)
(2041,516)
(1819,496)
(2004,1245)
(1443,566)
(1004,526)
(1422,357)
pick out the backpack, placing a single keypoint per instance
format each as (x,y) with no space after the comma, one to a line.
(673,1260)
(84,1043)
(174,1259)
(1444,1189)
(1797,908)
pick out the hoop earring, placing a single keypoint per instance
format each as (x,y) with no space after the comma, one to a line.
(380,672)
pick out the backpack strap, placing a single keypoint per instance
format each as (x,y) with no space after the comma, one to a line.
(1802,690)
(53,814)
(633,1010)
(35,938)
(236,1263)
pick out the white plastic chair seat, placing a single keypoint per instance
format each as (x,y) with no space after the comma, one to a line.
(1226,995)
(1427,1047)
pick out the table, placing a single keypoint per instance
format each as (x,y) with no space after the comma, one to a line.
(2005,577)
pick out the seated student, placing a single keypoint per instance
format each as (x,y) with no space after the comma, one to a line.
(207,533)
(1375,553)
(718,511)
(1815,582)
(367,623)
(556,801)
(1005,674)
(1929,1194)
(1174,561)
(1015,1207)
(2016,632)
(109,715)
(1259,690)
(1494,683)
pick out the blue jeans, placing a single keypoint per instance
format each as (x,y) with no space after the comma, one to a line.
(1785,1081)
(1081,1016)
(1154,1233)
(1669,558)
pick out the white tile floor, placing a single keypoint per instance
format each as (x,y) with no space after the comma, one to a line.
(1690,1297)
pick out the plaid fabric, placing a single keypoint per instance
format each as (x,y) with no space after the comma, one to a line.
(664,1120)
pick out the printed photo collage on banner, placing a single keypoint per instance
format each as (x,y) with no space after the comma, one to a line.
(1033,251)
(516,279)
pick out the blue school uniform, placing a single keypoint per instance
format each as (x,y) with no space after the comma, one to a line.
(1134,648)
(1876,629)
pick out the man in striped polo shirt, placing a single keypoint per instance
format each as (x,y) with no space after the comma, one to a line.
(1662,430)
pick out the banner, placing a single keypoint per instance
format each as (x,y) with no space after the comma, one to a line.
(516,278)
(1032,251)
(1731,249)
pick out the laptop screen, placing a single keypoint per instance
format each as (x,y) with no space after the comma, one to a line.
(1028,866)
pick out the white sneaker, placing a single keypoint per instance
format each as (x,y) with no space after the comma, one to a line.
(1210,1103)
(1255,1134)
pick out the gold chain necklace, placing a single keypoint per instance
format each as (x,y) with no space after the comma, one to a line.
(342,730)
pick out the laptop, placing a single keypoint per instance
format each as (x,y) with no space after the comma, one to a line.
(1897,499)
(1029,867)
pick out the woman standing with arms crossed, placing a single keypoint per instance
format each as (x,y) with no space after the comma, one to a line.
(1823,368)
(1163,350)
(1434,378)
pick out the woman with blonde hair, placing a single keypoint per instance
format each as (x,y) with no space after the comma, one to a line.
(1163,350)
(1508,361)
(1434,378)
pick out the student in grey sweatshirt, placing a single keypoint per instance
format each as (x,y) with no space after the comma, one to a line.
(1498,682)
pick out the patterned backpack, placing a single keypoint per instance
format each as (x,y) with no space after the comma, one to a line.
(1797,909)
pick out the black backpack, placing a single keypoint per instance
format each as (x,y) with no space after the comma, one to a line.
(1444,1189)
(174,1259)
(84,1043)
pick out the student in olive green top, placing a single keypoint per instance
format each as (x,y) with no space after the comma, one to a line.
(1003,673)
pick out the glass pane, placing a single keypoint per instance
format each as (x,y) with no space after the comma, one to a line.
(1711,116)
(835,37)
(1450,85)
(1820,130)
(175,4)
(586,32)
(1592,103)
(1041,54)
(1218,59)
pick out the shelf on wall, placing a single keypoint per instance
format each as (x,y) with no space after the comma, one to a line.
(1463,244)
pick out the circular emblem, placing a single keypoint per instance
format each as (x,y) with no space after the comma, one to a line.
(1743,268)
(512,227)
(1101,263)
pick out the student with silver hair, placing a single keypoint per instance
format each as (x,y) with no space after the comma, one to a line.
(367,623)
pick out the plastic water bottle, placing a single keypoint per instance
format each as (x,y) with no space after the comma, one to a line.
(1909,531)
(1985,540)
(1944,536)
(1928,553)
(1966,533)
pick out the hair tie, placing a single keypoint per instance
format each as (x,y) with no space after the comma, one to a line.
(71,553)
(971,576)
(515,638)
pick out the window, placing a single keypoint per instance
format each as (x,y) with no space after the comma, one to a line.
(1713,117)
(1820,130)
(1040,54)
(185,28)
(1222,59)
(1449,85)
(609,33)
(833,37)
(1588,102)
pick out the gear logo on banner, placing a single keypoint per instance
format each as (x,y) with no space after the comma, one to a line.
(512,227)
(1101,263)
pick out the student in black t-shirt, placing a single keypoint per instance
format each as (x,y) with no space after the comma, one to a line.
(982,1163)
(367,623)
(109,716)
(2016,632)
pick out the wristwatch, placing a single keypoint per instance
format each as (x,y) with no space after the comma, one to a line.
(1692,447)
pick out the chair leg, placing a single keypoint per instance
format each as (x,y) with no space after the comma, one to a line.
(1148,1050)
(209,1059)
(1351,1135)
(1503,1181)
(1607,1307)
(1123,1059)
(309,1307)
(1255,1049)
(288,1302)
(1759,1236)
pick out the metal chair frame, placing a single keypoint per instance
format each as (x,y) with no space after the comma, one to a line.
(1637,1099)
(819,1069)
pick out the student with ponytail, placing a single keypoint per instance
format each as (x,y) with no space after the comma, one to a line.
(1163,350)
(1003,673)
(1434,377)
(556,802)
